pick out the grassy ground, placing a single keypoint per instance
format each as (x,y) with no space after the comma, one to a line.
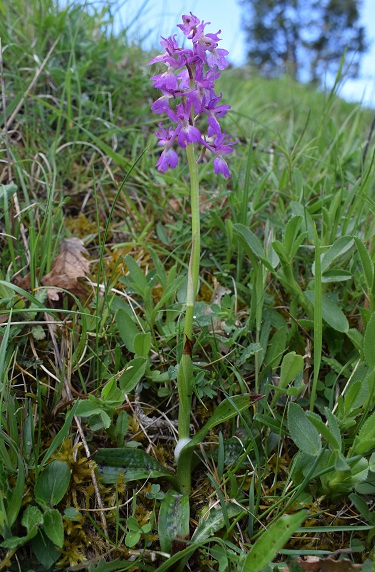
(94,252)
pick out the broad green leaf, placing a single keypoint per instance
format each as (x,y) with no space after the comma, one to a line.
(131,464)
(325,431)
(61,435)
(362,506)
(31,518)
(13,542)
(280,250)
(53,526)
(102,566)
(291,366)
(276,348)
(127,328)
(336,275)
(251,244)
(135,370)
(227,409)
(271,541)
(291,232)
(214,521)
(15,502)
(142,344)
(6,192)
(338,248)
(332,314)
(171,288)
(111,393)
(52,483)
(369,342)
(45,550)
(365,440)
(302,431)
(173,523)
(139,280)
(367,264)
(356,396)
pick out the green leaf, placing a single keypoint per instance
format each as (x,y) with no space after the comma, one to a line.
(291,366)
(127,328)
(139,281)
(276,348)
(31,518)
(53,526)
(15,502)
(142,344)
(302,431)
(132,538)
(45,550)
(367,264)
(6,192)
(291,232)
(369,342)
(356,396)
(135,370)
(251,244)
(365,440)
(332,314)
(173,523)
(338,248)
(336,275)
(214,521)
(52,483)
(103,566)
(227,409)
(271,541)
(325,431)
(130,464)
(61,435)
(111,393)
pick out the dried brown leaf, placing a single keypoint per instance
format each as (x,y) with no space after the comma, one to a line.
(67,268)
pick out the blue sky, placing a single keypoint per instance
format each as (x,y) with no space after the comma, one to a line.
(159,17)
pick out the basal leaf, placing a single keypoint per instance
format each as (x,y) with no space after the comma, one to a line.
(174,522)
(365,440)
(127,328)
(325,431)
(142,344)
(271,541)
(291,232)
(52,483)
(369,342)
(332,314)
(134,372)
(214,521)
(31,518)
(338,248)
(251,244)
(53,526)
(291,366)
(130,464)
(302,431)
(367,264)
(227,409)
(45,550)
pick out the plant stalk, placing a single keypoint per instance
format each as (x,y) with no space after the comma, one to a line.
(185,370)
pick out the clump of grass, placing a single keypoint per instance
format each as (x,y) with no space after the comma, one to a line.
(285,308)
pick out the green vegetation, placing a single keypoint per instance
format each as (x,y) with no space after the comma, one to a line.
(95,247)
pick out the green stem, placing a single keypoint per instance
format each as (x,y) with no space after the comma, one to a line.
(185,370)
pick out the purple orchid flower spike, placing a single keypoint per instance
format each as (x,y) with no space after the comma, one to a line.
(189,80)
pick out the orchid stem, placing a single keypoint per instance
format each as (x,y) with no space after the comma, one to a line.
(185,371)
